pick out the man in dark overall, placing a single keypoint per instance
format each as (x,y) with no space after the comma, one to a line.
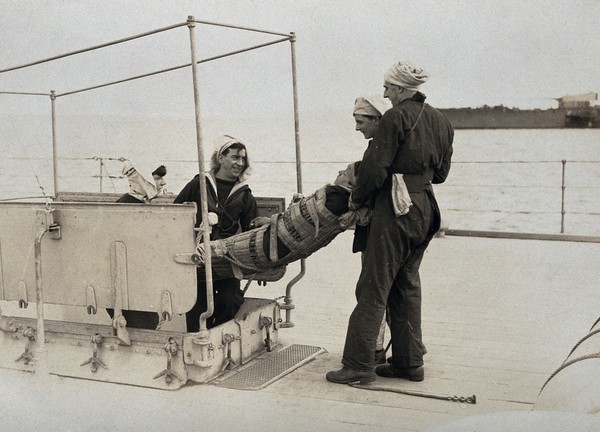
(415,140)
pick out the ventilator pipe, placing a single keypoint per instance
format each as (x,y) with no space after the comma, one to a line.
(205,226)
(288,304)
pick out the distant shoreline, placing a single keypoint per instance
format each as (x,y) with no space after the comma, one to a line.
(501,117)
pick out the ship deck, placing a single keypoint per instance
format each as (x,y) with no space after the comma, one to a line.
(499,316)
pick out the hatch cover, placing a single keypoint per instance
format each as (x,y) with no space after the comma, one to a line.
(268,370)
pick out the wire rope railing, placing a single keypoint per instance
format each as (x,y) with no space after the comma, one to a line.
(565,191)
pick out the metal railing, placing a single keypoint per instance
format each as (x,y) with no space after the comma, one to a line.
(537,189)
(557,197)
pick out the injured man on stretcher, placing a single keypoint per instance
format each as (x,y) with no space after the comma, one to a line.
(307,225)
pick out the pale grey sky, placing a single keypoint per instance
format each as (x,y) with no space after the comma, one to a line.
(511,52)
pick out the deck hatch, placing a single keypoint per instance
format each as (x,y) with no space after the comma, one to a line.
(268,370)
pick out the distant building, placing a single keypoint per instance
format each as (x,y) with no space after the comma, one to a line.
(577,101)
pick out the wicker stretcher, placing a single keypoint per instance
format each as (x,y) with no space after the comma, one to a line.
(262,253)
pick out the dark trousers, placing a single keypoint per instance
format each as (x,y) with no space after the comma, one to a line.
(390,276)
(227,298)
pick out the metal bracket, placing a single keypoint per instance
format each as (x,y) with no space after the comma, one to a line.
(23,301)
(229,362)
(171,348)
(118,274)
(27,356)
(166,306)
(94,361)
(45,222)
(90,296)
(188,258)
(207,351)
(119,324)
(266,322)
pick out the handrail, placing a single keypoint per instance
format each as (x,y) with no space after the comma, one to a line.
(133,78)
(92,48)
(241,28)
(190,23)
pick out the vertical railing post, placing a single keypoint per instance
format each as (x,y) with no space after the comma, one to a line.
(296,115)
(562,201)
(100,173)
(288,304)
(204,227)
(54,155)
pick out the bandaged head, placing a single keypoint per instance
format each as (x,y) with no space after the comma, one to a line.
(406,75)
(373,106)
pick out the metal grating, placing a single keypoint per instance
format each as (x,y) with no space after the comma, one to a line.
(268,370)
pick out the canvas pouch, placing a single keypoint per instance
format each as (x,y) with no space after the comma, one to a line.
(401,201)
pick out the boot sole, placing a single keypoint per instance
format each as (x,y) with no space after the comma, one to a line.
(361,380)
(414,378)
(406,377)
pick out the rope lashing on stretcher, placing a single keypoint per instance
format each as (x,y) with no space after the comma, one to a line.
(240,264)
(304,227)
(462,399)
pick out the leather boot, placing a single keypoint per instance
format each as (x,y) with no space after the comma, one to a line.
(347,375)
(409,373)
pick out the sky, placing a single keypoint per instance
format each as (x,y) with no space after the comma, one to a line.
(520,53)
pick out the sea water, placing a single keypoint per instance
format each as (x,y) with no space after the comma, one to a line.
(523,180)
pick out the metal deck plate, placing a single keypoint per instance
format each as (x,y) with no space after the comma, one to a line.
(270,369)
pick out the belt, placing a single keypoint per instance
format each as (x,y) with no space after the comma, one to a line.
(418,182)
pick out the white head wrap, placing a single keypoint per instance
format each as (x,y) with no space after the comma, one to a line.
(222,143)
(373,106)
(406,75)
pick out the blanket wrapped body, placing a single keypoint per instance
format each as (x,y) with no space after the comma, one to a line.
(262,253)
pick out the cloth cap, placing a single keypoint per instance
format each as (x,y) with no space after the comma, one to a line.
(373,106)
(161,171)
(406,75)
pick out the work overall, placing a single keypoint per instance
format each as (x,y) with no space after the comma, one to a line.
(415,140)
